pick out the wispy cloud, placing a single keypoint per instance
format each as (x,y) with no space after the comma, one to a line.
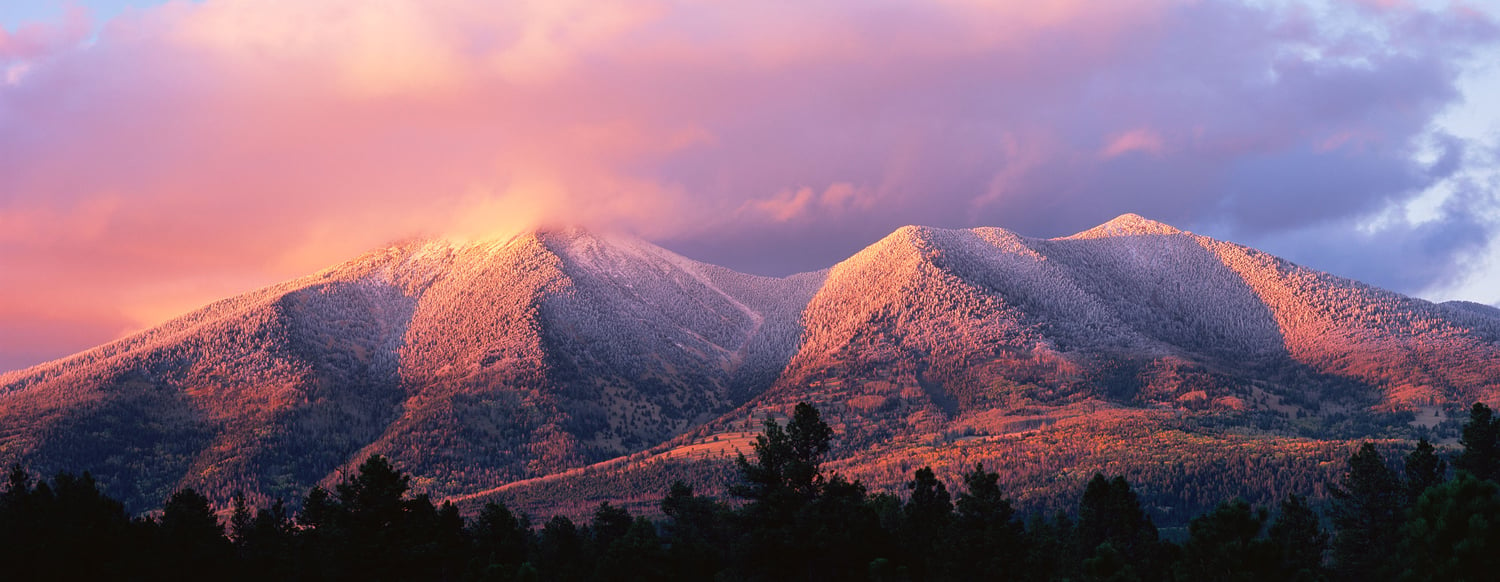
(194,150)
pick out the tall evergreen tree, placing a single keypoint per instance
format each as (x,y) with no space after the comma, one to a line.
(501,540)
(786,471)
(1454,532)
(636,556)
(1368,506)
(1110,513)
(67,529)
(610,523)
(372,531)
(924,531)
(1224,545)
(697,530)
(1481,441)
(265,547)
(371,501)
(241,518)
(192,540)
(1424,469)
(1299,542)
(1052,548)
(560,551)
(987,538)
(780,485)
(838,535)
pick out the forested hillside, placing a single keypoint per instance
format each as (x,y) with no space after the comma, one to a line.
(1403,516)
(487,367)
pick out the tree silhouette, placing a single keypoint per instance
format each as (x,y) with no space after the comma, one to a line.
(560,551)
(786,472)
(1481,441)
(1110,513)
(501,540)
(1224,546)
(987,538)
(1424,469)
(1454,532)
(191,537)
(697,530)
(1368,506)
(610,523)
(1299,542)
(924,531)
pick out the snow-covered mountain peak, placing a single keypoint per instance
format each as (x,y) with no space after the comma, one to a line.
(1128,224)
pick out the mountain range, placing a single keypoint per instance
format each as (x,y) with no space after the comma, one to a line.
(566,366)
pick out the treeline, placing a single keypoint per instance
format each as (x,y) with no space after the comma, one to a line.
(791,521)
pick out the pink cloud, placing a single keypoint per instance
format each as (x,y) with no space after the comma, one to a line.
(1142,140)
(804,202)
(35,40)
(199,149)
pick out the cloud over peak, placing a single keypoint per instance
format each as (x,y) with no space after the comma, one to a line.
(193,149)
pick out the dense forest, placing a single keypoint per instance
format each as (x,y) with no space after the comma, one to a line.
(1407,518)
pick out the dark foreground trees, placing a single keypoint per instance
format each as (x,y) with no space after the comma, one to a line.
(794,521)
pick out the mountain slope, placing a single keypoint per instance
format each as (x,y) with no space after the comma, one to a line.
(929,324)
(475,365)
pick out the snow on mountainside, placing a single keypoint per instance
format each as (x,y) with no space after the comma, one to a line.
(929,327)
(473,364)
(478,364)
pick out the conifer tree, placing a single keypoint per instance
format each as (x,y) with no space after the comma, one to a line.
(266,548)
(240,518)
(610,524)
(924,530)
(635,556)
(1224,545)
(560,551)
(1368,506)
(697,532)
(786,472)
(1424,469)
(500,538)
(192,540)
(1454,532)
(987,538)
(1299,542)
(1110,513)
(1481,442)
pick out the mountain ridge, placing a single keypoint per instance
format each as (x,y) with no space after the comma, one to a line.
(482,363)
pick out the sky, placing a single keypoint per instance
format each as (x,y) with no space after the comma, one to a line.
(156,156)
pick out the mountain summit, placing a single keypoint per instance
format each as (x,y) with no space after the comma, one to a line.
(475,365)
(1128,224)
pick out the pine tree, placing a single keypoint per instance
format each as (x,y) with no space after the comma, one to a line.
(635,556)
(560,551)
(371,501)
(786,472)
(1110,514)
(500,538)
(1224,545)
(266,548)
(927,515)
(1454,532)
(987,539)
(697,530)
(192,540)
(1481,441)
(1299,542)
(610,523)
(1424,469)
(240,518)
(1368,506)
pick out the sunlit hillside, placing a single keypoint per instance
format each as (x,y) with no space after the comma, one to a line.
(540,362)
